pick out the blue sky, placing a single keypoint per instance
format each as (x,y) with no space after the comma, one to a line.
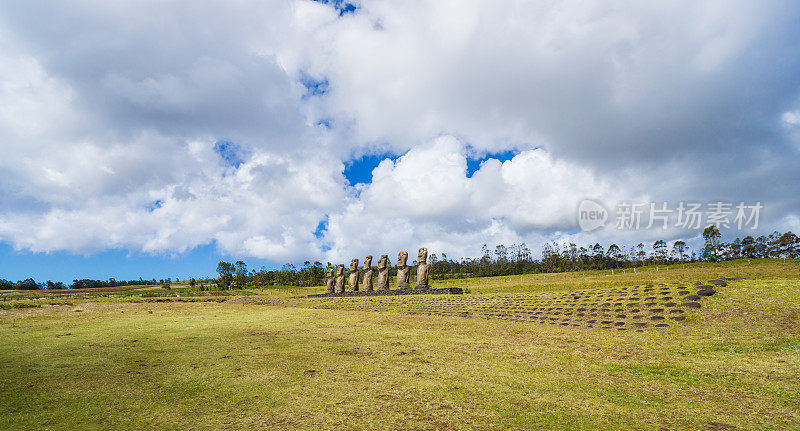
(200,262)
(155,148)
(119,264)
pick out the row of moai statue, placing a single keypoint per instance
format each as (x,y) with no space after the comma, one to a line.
(336,282)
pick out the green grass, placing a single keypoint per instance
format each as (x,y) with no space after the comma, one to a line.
(760,269)
(16,305)
(109,363)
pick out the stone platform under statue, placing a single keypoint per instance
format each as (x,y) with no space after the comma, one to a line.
(432,291)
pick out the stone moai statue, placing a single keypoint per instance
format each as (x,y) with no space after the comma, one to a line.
(330,279)
(383,272)
(353,281)
(402,270)
(368,274)
(340,278)
(422,269)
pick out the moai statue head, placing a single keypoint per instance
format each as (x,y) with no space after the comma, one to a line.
(402,258)
(383,262)
(354,265)
(422,256)
(329,272)
(368,262)
(340,269)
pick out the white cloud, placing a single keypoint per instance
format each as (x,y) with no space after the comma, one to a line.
(585,79)
(425,197)
(110,114)
(791,118)
(269,208)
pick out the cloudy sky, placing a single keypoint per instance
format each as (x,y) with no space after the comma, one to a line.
(155,137)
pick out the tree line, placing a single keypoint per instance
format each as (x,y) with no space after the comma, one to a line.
(518,259)
(555,257)
(236,276)
(31,284)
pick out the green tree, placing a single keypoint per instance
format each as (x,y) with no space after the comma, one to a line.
(597,255)
(660,250)
(640,253)
(762,249)
(240,274)
(54,285)
(712,237)
(28,284)
(615,253)
(500,253)
(749,247)
(433,266)
(679,250)
(736,249)
(787,245)
(225,271)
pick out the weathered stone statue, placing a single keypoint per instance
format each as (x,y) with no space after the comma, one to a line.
(368,274)
(340,278)
(353,282)
(383,272)
(422,269)
(330,279)
(402,270)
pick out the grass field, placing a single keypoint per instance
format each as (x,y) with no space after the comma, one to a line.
(270,359)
